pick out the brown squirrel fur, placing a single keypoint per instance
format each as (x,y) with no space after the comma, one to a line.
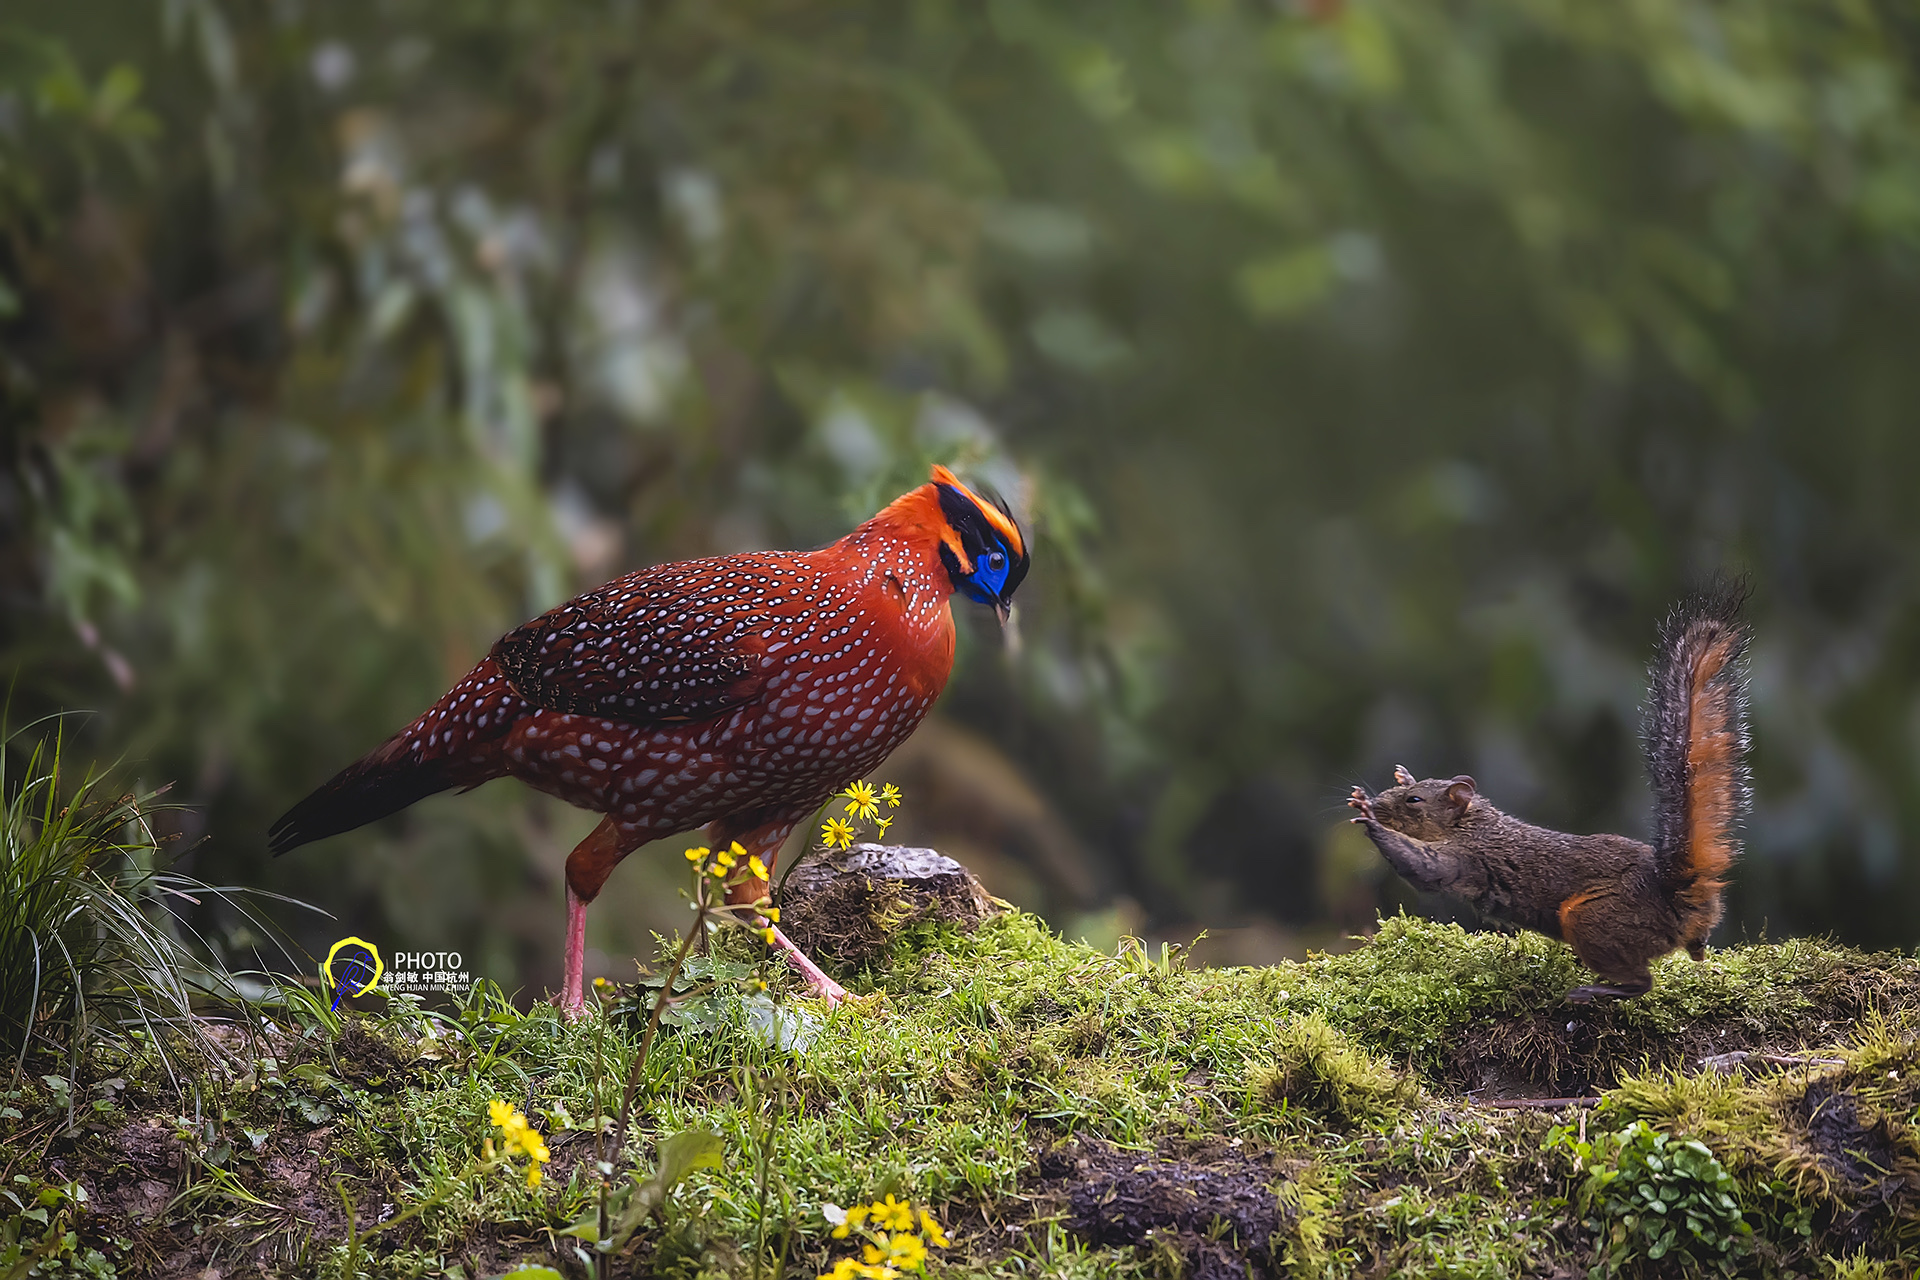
(1621,904)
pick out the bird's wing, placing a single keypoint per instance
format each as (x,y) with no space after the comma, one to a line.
(676,642)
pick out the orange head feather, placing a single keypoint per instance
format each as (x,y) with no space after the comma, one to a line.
(981,545)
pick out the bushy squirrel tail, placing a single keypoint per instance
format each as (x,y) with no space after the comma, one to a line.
(1696,744)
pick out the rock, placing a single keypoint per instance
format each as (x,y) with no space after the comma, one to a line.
(846,905)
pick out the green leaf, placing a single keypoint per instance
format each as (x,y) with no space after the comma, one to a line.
(687,1151)
(1286,283)
(680,1155)
(312,1073)
(117,91)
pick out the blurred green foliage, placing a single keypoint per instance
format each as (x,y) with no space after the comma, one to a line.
(1373,373)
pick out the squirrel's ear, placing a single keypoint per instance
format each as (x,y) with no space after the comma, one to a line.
(1401,778)
(1460,793)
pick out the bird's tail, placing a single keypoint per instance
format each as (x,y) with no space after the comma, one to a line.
(1696,744)
(385,780)
(454,744)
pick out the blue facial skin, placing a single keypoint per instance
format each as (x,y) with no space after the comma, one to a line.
(989,577)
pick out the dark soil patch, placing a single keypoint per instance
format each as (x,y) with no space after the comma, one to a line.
(1878,1178)
(374,1061)
(137,1170)
(134,1171)
(1861,1154)
(1578,1052)
(1575,1050)
(493,1249)
(570,1150)
(1213,1206)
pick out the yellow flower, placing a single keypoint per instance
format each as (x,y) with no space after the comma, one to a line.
(517,1138)
(758,867)
(881,825)
(894,1215)
(905,1250)
(850,1269)
(886,1257)
(837,832)
(766,936)
(861,801)
(516,1131)
(771,913)
(855,1216)
(725,857)
(891,794)
(930,1228)
(696,855)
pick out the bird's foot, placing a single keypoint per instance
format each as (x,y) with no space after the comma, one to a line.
(825,988)
(818,983)
(574,1003)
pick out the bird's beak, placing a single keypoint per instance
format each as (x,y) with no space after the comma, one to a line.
(1003,610)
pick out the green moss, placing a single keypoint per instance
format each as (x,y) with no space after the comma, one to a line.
(1318,1070)
(1339,1081)
(1833,1133)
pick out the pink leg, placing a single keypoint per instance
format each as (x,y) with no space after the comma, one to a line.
(819,983)
(588,867)
(573,1000)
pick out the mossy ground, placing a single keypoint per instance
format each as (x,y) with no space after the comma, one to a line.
(1066,1113)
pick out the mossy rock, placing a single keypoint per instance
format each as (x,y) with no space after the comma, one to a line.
(849,906)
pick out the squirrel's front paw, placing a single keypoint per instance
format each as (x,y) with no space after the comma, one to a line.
(1363,802)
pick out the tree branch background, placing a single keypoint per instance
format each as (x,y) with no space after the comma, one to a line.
(1373,374)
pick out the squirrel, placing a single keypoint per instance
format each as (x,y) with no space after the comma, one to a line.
(1621,904)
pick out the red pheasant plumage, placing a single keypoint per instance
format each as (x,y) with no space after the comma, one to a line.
(735,693)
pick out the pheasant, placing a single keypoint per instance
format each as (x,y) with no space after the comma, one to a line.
(735,693)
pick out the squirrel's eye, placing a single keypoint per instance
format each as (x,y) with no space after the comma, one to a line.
(1413,799)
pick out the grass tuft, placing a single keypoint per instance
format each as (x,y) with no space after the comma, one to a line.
(1318,1070)
(92,953)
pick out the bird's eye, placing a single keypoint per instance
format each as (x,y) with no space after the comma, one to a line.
(995,560)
